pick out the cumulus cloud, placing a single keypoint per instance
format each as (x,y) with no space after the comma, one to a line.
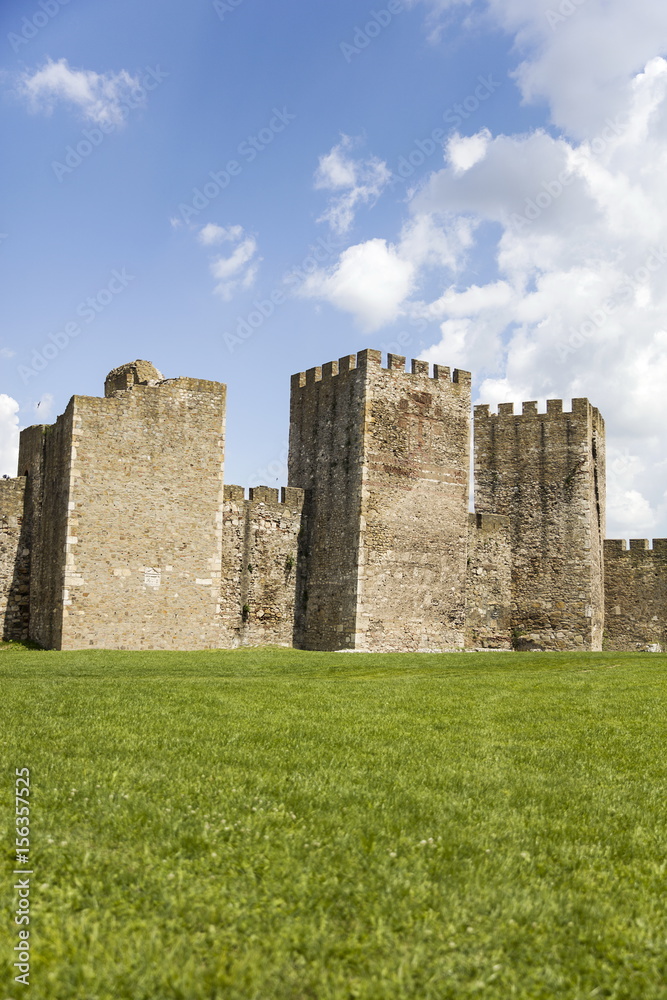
(237,270)
(9,435)
(101,98)
(578,306)
(351,182)
(463,152)
(576,55)
(370,280)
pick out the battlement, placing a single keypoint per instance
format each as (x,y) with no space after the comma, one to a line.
(373,359)
(290,496)
(615,548)
(580,408)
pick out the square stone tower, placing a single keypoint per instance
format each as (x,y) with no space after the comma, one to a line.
(546,472)
(125,501)
(384,457)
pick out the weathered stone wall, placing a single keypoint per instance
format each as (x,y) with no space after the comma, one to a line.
(325,458)
(489,586)
(45,456)
(414,527)
(144,520)
(383,455)
(259,555)
(546,472)
(635,595)
(14,561)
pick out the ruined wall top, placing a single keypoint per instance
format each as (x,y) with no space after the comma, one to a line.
(133,373)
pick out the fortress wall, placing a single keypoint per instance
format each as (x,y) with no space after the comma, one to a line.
(45,456)
(383,456)
(259,555)
(14,561)
(414,525)
(144,535)
(489,586)
(546,472)
(325,459)
(635,595)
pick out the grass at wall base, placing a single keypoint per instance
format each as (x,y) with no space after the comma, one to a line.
(271,824)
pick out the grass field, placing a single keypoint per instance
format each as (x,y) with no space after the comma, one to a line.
(281,825)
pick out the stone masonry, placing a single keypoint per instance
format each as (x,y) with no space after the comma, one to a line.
(120,533)
(545,472)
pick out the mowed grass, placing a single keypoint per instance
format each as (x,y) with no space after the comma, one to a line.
(281,825)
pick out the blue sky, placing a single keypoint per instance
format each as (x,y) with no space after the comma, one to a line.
(478,183)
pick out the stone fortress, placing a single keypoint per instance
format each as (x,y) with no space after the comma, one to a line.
(120,533)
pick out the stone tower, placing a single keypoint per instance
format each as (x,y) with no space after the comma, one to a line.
(546,472)
(125,504)
(383,455)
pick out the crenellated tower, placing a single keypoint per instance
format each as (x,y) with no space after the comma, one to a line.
(546,472)
(383,455)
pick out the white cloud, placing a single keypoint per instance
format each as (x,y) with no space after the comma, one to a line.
(578,306)
(575,55)
(212,233)
(370,280)
(9,435)
(463,152)
(354,183)
(237,271)
(102,98)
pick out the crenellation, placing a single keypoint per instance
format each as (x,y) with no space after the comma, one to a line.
(234,494)
(347,363)
(120,519)
(264,494)
(369,358)
(396,362)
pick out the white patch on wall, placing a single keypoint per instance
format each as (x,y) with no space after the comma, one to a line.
(151,577)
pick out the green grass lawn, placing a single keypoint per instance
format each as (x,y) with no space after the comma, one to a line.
(280,825)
